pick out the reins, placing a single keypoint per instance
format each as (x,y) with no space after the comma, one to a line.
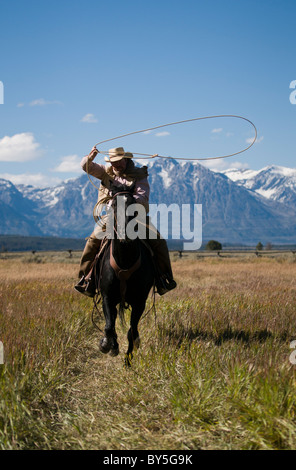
(103,202)
(98,298)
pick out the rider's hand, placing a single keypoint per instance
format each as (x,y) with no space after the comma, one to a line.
(93,153)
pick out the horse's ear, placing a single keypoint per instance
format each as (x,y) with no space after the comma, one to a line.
(112,187)
(118,188)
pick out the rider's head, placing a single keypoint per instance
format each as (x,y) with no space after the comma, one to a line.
(118,159)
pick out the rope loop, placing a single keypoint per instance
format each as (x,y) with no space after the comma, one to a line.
(145,155)
(148,156)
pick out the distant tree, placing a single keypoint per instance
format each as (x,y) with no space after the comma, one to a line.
(213,245)
(259,246)
(268,246)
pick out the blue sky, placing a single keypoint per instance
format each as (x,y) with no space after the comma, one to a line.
(79,72)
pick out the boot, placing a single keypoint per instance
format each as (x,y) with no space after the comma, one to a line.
(163,271)
(92,247)
(86,287)
(164,283)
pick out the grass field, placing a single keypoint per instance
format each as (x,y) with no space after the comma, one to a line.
(213,370)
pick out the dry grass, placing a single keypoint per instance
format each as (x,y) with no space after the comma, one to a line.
(213,370)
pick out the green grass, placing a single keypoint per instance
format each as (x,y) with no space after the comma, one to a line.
(213,370)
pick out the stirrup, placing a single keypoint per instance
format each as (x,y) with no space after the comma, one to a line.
(85,287)
(164,284)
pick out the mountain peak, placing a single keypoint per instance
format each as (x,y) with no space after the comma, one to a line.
(274,182)
(280,170)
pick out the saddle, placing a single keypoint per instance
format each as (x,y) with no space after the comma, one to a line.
(122,274)
(90,285)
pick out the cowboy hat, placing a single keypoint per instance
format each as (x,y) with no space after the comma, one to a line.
(117,154)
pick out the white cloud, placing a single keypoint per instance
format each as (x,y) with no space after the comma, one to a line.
(162,134)
(39,102)
(38,179)
(89,118)
(43,102)
(19,148)
(217,130)
(258,140)
(69,164)
(239,166)
(224,164)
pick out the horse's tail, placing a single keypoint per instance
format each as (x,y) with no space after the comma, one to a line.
(122,307)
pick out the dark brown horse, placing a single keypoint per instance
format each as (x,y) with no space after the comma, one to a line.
(126,276)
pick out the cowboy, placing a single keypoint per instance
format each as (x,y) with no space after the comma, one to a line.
(122,172)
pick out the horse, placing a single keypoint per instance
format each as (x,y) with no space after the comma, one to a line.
(125,276)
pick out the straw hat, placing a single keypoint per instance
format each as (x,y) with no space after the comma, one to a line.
(117,154)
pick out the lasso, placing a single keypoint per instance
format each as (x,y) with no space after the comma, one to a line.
(145,155)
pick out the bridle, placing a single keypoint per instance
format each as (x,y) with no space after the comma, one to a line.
(112,198)
(106,200)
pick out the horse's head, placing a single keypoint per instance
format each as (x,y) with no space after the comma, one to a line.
(122,198)
(124,189)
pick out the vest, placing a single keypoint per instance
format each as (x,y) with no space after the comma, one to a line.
(131,175)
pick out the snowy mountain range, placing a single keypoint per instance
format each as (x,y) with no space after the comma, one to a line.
(273,182)
(239,206)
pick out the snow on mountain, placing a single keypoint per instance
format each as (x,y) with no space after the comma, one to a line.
(65,210)
(277,183)
(17,213)
(46,197)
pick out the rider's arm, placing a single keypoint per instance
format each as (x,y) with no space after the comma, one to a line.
(141,193)
(94,169)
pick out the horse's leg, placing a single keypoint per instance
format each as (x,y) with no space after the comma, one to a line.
(109,341)
(133,334)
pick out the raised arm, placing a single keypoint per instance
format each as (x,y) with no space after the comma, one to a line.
(94,169)
(141,193)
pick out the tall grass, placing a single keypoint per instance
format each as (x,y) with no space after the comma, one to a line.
(213,370)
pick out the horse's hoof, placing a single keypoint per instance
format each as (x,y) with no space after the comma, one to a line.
(114,352)
(128,360)
(105,345)
(137,342)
